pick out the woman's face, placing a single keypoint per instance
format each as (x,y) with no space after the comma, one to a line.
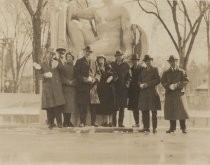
(101,61)
(69,58)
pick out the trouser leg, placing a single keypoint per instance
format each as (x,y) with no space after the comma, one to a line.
(121,116)
(136,116)
(146,119)
(114,118)
(83,113)
(173,125)
(154,119)
(64,119)
(57,113)
(50,117)
(182,124)
(93,114)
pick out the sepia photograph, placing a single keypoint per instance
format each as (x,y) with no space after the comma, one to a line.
(104,82)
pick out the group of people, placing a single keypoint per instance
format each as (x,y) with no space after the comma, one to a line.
(107,87)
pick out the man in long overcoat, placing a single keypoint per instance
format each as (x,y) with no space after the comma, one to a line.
(86,74)
(134,89)
(122,83)
(149,99)
(174,81)
(52,92)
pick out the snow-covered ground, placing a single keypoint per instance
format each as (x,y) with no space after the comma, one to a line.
(37,145)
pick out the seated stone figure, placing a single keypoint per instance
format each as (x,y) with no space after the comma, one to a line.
(107,28)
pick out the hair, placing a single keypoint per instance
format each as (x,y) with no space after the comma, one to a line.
(69,53)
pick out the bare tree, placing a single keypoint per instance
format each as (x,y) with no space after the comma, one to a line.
(36,19)
(17,44)
(185,32)
(207,22)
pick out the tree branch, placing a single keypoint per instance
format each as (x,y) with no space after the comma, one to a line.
(29,8)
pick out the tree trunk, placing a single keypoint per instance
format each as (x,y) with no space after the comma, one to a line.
(36,49)
(182,63)
(208,44)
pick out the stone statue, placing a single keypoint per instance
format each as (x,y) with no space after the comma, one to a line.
(106,29)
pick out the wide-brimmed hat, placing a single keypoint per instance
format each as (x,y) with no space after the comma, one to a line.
(61,49)
(147,58)
(135,57)
(118,53)
(88,49)
(172,58)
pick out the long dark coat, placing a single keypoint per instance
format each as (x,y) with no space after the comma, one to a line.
(124,77)
(82,70)
(52,92)
(106,92)
(175,101)
(69,84)
(134,89)
(149,98)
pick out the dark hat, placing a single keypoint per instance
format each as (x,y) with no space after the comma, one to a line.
(60,49)
(118,53)
(135,57)
(172,58)
(147,58)
(88,49)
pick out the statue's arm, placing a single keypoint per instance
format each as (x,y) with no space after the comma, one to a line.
(75,13)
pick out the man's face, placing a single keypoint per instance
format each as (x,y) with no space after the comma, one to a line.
(118,58)
(148,63)
(135,62)
(173,63)
(87,54)
(62,53)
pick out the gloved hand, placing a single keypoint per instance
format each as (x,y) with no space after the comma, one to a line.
(48,75)
(110,78)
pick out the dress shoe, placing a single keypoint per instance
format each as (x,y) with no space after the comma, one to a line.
(144,130)
(60,126)
(184,131)
(94,125)
(121,125)
(70,124)
(50,126)
(170,131)
(154,131)
(136,125)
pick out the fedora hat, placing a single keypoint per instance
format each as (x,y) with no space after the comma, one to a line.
(135,57)
(118,53)
(147,58)
(88,49)
(60,49)
(172,58)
